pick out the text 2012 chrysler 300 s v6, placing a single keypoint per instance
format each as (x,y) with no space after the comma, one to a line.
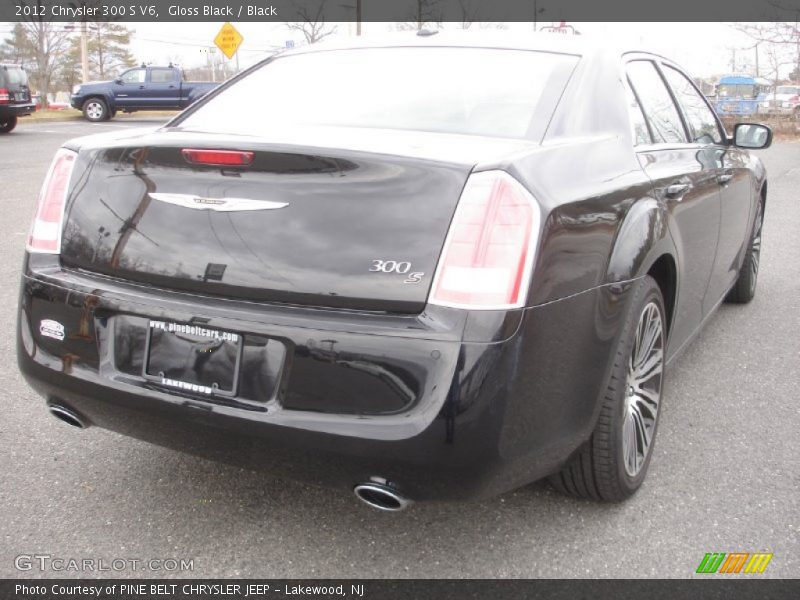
(433,267)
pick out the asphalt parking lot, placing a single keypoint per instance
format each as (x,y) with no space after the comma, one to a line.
(725,476)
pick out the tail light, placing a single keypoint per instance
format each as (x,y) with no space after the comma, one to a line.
(794,99)
(488,255)
(45,234)
(4,96)
(219,158)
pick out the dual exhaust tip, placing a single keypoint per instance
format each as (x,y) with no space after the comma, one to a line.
(376,494)
(381,496)
(68,416)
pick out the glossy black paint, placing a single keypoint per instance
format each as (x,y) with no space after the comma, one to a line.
(491,417)
(347,376)
(345,209)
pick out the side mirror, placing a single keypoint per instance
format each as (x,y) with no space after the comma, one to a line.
(119,81)
(752,136)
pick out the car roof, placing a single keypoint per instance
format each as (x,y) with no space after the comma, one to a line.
(579,45)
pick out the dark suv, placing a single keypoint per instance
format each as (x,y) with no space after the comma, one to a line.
(15,96)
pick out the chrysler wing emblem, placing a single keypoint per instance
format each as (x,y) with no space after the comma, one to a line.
(218,204)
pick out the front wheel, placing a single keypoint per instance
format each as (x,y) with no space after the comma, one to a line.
(95,110)
(613,463)
(744,290)
(7,124)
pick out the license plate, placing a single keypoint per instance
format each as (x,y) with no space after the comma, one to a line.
(193,358)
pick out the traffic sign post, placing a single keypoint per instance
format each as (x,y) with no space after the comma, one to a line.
(228,41)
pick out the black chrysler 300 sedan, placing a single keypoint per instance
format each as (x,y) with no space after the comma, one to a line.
(429,267)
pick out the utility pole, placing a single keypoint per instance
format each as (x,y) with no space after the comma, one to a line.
(758,73)
(797,42)
(85,51)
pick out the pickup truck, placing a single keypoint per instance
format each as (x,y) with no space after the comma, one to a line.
(140,88)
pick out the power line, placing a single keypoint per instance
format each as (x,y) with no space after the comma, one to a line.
(203,45)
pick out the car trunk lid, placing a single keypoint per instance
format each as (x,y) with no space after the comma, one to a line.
(356,228)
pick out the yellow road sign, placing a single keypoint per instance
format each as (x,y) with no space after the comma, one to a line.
(228,40)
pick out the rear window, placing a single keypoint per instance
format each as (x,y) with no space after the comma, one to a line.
(468,91)
(14,77)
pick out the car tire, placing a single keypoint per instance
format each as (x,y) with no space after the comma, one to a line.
(7,125)
(96,110)
(744,290)
(613,463)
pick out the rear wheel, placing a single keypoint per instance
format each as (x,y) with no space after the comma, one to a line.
(95,109)
(744,290)
(613,463)
(7,124)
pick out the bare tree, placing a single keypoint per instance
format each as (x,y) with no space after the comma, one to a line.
(426,13)
(469,12)
(778,38)
(777,58)
(49,41)
(312,21)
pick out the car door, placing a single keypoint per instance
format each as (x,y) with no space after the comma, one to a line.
(733,177)
(130,88)
(684,176)
(163,88)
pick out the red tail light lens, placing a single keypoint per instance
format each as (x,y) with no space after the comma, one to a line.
(794,99)
(488,254)
(219,158)
(45,234)
(4,96)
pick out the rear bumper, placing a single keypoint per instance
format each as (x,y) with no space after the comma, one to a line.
(503,400)
(16,110)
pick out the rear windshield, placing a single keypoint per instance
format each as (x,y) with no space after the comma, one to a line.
(14,77)
(452,90)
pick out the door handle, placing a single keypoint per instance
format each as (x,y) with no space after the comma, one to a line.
(725,178)
(141,87)
(677,189)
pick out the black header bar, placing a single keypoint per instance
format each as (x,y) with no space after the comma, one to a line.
(543,11)
(709,588)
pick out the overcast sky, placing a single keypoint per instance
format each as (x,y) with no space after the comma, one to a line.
(704,49)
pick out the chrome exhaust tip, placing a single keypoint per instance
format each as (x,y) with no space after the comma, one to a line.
(381,497)
(69,416)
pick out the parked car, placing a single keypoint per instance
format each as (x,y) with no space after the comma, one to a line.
(142,88)
(464,267)
(784,101)
(15,96)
